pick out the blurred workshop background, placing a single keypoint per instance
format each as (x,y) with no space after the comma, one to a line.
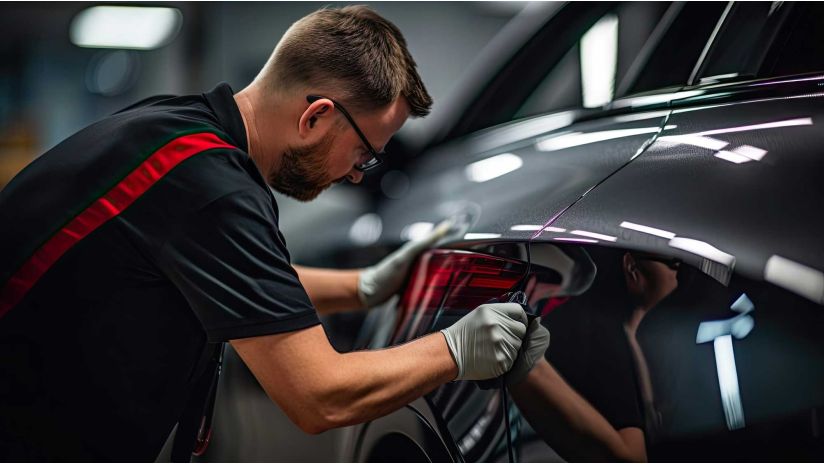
(57,73)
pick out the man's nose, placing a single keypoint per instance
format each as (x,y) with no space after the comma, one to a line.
(354,176)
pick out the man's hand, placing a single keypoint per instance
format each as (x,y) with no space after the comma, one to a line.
(533,349)
(379,282)
(486,341)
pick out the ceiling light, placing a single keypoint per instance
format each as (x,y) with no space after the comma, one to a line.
(127,27)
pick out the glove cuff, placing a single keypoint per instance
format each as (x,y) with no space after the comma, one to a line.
(453,352)
(366,287)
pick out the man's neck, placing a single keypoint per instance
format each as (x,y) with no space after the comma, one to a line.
(264,152)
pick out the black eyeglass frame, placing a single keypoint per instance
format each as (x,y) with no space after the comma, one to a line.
(377,158)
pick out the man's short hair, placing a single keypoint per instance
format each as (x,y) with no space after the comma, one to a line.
(353,51)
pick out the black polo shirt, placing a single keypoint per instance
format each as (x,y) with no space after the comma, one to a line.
(126,253)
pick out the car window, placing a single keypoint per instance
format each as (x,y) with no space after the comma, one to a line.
(587,74)
(800,47)
(765,39)
(671,53)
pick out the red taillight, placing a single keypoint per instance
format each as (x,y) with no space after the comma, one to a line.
(453,281)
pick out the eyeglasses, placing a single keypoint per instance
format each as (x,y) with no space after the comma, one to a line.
(375,158)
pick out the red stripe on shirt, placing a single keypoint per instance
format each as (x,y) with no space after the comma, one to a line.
(112,203)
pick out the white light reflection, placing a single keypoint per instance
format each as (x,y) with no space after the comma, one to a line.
(515,132)
(480,236)
(742,154)
(717,264)
(366,230)
(715,79)
(728,382)
(416,230)
(127,27)
(732,157)
(795,277)
(767,125)
(577,240)
(695,140)
(703,249)
(527,227)
(787,81)
(554,229)
(753,153)
(653,99)
(641,116)
(721,333)
(490,168)
(584,233)
(647,230)
(574,139)
(599,58)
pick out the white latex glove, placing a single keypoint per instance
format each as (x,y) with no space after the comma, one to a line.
(378,283)
(532,349)
(485,342)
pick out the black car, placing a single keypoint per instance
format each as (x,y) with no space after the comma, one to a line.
(670,240)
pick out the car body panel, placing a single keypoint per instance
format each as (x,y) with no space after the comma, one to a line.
(751,208)
(529,181)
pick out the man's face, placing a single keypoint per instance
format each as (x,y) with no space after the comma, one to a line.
(308,170)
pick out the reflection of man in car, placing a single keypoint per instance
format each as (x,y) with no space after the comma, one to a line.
(584,399)
(649,279)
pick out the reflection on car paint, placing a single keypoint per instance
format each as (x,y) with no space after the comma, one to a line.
(641,116)
(480,235)
(721,333)
(716,263)
(648,230)
(522,130)
(795,277)
(576,139)
(695,140)
(635,102)
(467,442)
(585,233)
(576,240)
(493,167)
(527,227)
(717,78)
(742,154)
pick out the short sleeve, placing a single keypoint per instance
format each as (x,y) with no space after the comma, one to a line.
(231,264)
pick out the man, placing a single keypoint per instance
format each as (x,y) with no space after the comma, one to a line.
(140,244)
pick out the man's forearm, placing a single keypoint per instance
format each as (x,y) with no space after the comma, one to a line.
(568,423)
(371,384)
(331,290)
(319,388)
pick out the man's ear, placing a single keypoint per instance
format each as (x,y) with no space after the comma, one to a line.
(315,114)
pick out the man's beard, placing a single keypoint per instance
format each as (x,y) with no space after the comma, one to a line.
(302,174)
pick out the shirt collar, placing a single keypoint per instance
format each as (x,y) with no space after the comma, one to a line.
(221,99)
